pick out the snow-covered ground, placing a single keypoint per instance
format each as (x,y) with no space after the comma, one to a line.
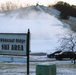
(64,67)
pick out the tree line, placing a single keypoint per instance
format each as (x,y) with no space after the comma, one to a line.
(7,6)
(65,9)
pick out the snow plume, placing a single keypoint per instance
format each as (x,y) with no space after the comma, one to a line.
(37,16)
(43,27)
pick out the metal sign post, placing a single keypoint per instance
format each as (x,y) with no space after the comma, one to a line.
(28,50)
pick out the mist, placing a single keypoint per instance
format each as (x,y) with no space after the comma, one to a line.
(44,29)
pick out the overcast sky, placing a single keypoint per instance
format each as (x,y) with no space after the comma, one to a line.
(44,2)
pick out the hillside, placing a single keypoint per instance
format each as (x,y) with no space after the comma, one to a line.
(67,12)
(23,13)
(71,23)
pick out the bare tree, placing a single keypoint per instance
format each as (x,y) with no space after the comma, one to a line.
(68,42)
(9,5)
